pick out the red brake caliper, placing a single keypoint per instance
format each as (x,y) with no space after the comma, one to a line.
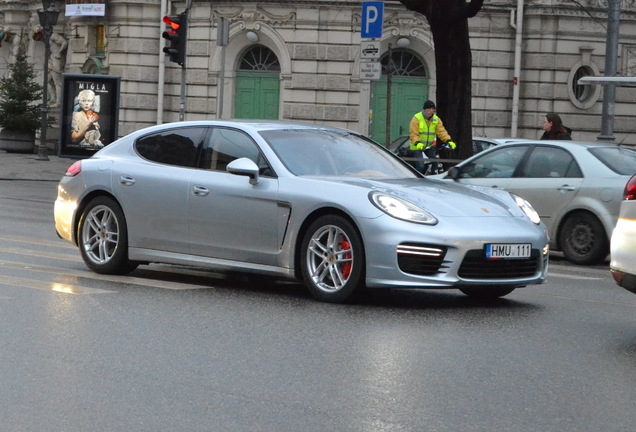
(346,269)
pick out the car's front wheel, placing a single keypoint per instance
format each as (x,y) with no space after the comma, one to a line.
(583,240)
(103,238)
(332,259)
(487,293)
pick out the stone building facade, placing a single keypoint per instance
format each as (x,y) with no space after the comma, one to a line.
(301,61)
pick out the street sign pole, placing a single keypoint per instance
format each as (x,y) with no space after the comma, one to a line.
(371,28)
(389,80)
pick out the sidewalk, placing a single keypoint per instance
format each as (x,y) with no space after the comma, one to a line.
(20,166)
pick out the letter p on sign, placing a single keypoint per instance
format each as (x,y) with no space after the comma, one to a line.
(372,18)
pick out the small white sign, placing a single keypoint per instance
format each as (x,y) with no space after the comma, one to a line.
(370,70)
(370,50)
(91,9)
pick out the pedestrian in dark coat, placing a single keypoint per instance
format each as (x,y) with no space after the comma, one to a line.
(554,129)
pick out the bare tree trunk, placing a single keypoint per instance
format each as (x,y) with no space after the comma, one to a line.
(448,20)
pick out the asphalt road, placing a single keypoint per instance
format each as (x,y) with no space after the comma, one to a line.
(174,349)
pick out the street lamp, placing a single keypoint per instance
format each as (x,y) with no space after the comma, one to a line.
(48,18)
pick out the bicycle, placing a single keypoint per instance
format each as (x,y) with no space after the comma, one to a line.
(432,168)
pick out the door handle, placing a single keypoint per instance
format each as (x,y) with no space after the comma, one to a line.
(126,180)
(200,191)
(566,188)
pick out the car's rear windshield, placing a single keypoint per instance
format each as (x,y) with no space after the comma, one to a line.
(619,159)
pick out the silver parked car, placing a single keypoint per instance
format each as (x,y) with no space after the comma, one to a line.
(575,187)
(623,241)
(326,206)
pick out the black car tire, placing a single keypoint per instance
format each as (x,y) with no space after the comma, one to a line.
(583,240)
(103,238)
(487,293)
(332,259)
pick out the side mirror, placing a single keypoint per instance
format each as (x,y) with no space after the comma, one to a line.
(244,167)
(454,173)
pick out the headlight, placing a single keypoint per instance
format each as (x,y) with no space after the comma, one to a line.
(527,209)
(401,209)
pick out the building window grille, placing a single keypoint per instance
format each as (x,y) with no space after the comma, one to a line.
(404,63)
(260,58)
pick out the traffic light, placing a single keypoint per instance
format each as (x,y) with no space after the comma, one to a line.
(177,35)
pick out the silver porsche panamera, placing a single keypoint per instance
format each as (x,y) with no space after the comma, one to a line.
(323,205)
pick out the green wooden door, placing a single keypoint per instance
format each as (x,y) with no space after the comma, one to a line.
(407,97)
(257,95)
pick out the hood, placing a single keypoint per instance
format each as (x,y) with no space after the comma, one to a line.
(445,199)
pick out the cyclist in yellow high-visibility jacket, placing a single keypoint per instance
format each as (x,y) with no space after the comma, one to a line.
(424,130)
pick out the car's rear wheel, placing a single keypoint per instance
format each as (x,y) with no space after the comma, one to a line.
(487,293)
(103,238)
(583,240)
(332,259)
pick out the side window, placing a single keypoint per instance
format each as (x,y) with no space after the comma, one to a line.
(500,163)
(173,147)
(226,145)
(481,145)
(551,162)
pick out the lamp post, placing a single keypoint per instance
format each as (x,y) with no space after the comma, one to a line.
(48,18)
(611,54)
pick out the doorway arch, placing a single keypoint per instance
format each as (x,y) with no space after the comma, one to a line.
(409,89)
(257,84)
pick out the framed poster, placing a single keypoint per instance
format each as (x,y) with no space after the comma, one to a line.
(90,114)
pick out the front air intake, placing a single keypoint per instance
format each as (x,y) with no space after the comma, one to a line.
(421,259)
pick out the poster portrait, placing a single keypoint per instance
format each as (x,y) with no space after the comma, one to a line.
(89,117)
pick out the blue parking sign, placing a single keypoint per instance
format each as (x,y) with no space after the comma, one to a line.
(372,17)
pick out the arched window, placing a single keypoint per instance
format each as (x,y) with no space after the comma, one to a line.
(404,63)
(259,58)
(583,96)
(582,93)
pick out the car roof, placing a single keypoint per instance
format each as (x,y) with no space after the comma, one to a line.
(498,140)
(563,143)
(259,124)
(252,125)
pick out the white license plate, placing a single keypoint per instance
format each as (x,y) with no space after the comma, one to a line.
(508,250)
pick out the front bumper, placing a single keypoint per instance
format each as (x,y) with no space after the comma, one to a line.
(451,254)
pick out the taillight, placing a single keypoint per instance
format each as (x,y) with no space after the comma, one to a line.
(630,189)
(74,169)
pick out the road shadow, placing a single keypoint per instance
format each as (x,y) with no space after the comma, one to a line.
(292,291)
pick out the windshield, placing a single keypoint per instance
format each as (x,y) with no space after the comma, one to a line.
(318,152)
(619,159)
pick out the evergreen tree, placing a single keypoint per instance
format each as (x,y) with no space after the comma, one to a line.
(21,104)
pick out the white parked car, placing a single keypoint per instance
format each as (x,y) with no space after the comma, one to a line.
(576,187)
(623,242)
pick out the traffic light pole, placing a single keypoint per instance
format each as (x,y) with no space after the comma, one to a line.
(182,100)
(177,35)
(183,96)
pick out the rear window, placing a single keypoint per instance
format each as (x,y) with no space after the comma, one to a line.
(177,146)
(619,159)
